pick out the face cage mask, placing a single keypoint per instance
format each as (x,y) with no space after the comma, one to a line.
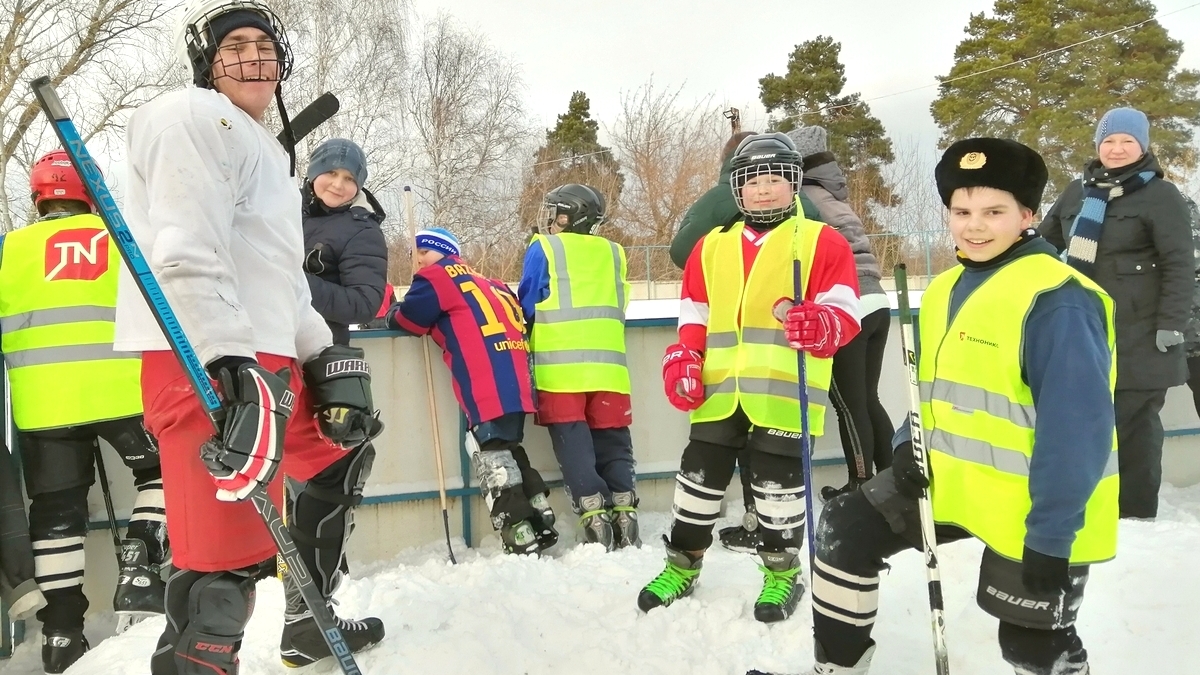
(202,48)
(231,61)
(789,172)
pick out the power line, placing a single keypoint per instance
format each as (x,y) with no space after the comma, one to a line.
(928,86)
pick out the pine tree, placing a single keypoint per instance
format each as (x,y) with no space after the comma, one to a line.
(1053,102)
(571,154)
(810,93)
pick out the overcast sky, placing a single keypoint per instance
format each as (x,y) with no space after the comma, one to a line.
(723,48)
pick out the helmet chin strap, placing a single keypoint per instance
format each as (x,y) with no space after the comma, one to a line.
(288,134)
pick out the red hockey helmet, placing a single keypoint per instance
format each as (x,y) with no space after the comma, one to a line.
(54,177)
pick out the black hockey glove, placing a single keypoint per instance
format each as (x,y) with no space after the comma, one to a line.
(910,481)
(246,452)
(1044,574)
(340,380)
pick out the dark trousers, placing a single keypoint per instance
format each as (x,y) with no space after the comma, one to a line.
(1139,449)
(1193,382)
(593,461)
(865,427)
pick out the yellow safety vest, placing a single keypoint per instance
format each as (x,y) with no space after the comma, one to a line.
(578,338)
(747,359)
(978,414)
(58,294)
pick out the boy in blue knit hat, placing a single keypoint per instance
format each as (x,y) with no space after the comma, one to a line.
(479,326)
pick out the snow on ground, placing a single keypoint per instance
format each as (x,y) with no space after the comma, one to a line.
(574,612)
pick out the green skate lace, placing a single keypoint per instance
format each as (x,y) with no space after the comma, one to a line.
(588,514)
(671,582)
(776,585)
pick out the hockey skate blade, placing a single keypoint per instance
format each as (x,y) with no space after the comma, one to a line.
(323,665)
(126,620)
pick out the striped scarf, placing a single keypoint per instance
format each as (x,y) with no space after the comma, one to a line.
(1098,190)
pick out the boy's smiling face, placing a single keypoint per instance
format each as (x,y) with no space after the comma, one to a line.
(985,221)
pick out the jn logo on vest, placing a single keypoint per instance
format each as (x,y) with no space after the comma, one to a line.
(80,255)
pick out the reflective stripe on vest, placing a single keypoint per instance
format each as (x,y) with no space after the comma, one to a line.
(978,412)
(58,288)
(747,360)
(578,337)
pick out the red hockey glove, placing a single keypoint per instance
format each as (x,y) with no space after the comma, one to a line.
(339,379)
(245,454)
(681,377)
(811,327)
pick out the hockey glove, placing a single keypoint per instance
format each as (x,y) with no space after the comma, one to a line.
(245,454)
(1044,574)
(681,377)
(910,481)
(340,381)
(810,326)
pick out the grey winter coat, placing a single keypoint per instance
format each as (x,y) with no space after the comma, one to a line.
(825,184)
(345,260)
(1146,263)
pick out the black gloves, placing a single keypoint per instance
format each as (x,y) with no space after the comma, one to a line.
(1044,574)
(910,481)
(340,381)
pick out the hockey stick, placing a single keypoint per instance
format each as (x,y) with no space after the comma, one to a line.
(131,254)
(108,505)
(433,415)
(805,437)
(314,115)
(928,539)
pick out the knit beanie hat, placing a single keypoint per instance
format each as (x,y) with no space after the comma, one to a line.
(437,239)
(809,140)
(338,153)
(1124,121)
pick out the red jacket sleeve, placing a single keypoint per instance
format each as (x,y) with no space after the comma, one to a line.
(693,303)
(833,282)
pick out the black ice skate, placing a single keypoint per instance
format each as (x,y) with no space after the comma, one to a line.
(783,586)
(140,586)
(543,522)
(520,538)
(62,648)
(744,538)
(625,520)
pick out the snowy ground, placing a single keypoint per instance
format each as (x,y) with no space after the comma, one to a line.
(574,612)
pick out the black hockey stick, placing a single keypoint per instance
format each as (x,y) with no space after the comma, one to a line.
(108,505)
(119,232)
(314,115)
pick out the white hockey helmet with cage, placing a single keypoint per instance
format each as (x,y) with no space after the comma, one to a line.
(196,38)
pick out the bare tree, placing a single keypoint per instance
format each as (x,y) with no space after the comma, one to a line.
(670,153)
(471,131)
(914,230)
(107,56)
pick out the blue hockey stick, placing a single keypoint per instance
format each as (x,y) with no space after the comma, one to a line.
(93,182)
(805,436)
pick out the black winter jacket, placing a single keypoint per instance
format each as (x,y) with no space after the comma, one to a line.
(345,259)
(1146,263)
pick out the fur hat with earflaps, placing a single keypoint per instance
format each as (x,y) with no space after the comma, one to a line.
(995,163)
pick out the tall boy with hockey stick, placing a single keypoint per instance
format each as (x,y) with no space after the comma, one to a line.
(214,208)
(477,322)
(735,369)
(1016,384)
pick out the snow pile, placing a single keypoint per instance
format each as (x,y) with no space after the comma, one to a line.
(575,613)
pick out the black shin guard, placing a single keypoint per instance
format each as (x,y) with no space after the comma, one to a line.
(704,473)
(1042,652)
(207,613)
(323,517)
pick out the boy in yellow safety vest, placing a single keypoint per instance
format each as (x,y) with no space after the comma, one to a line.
(1016,384)
(574,292)
(68,389)
(735,369)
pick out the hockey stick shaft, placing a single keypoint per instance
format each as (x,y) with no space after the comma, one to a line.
(805,436)
(314,115)
(410,216)
(108,504)
(119,232)
(933,574)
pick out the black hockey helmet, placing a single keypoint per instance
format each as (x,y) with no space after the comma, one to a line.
(766,154)
(584,207)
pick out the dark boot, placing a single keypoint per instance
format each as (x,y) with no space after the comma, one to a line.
(543,521)
(62,648)
(675,581)
(596,521)
(744,538)
(140,586)
(783,586)
(625,520)
(520,538)
(302,642)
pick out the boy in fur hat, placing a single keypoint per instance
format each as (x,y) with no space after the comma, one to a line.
(1016,376)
